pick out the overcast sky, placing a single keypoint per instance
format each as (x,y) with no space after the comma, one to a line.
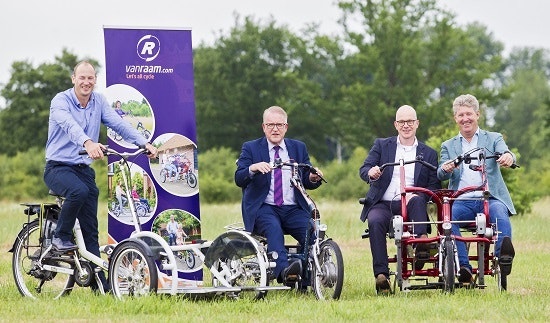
(37,30)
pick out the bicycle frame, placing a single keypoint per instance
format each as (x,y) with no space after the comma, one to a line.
(485,232)
(323,275)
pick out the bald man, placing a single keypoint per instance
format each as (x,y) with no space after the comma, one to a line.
(382,201)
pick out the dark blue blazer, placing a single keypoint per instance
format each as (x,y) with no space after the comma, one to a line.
(255,188)
(383,151)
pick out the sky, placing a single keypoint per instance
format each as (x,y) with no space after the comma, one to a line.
(38,30)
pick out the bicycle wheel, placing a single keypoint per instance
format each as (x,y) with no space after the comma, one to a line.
(141,210)
(448,267)
(191,180)
(189,259)
(115,209)
(241,262)
(502,280)
(132,272)
(327,283)
(146,134)
(163,175)
(30,277)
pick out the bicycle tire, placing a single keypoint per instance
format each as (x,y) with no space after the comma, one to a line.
(163,175)
(132,272)
(247,270)
(502,280)
(449,266)
(31,280)
(141,210)
(146,134)
(191,180)
(190,259)
(327,283)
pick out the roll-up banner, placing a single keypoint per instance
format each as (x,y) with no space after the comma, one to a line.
(149,79)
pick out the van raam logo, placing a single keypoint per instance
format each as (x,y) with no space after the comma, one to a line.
(148,47)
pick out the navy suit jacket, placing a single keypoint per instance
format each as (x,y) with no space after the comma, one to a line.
(383,151)
(256,187)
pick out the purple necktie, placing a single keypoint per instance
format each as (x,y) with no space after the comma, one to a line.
(278,181)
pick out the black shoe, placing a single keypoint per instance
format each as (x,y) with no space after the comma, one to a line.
(382,285)
(291,274)
(61,245)
(465,275)
(506,258)
(422,254)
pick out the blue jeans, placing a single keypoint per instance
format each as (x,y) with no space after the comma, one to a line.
(467,210)
(171,239)
(77,184)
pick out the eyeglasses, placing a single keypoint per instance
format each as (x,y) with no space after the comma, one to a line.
(409,123)
(273,125)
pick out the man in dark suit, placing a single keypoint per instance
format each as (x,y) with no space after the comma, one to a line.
(383,198)
(263,212)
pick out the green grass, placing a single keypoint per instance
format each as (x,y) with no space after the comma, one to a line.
(526,300)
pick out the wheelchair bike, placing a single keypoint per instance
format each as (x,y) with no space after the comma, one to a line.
(322,261)
(439,257)
(141,265)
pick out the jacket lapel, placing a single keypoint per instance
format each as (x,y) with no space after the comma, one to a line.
(418,166)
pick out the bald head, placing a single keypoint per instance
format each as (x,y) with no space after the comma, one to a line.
(405,112)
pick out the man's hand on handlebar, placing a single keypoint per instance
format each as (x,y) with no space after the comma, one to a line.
(505,160)
(261,167)
(449,166)
(315,175)
(152,150)
(374,173)
(94,149)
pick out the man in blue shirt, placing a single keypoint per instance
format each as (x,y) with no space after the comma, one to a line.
(74,124)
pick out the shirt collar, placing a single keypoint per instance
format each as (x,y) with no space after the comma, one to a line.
(476,134)
(75,99)
(282,145)
(414,145)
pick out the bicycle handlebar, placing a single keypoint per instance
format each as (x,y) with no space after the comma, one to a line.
(467,158)
(418,159)
(278,163)
(109,151)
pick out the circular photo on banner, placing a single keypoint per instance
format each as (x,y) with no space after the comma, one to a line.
(179,228)
(176,169)
(141,192)
(133,107)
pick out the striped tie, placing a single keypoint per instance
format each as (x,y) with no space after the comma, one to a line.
(278,181)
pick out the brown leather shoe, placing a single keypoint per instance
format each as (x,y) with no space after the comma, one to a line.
(382,285)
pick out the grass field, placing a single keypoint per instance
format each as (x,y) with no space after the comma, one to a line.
(527,298)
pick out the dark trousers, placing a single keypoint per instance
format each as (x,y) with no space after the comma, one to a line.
(379,220)
(77,184)
(273,222)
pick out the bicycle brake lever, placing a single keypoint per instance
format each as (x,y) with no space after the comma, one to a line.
(314,171)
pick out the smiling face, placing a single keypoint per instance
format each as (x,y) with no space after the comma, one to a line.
(467,120)
(84,79)
(406,124)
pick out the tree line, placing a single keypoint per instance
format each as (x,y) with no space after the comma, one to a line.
(340,92)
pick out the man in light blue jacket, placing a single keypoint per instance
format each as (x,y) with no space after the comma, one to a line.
(466,115)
